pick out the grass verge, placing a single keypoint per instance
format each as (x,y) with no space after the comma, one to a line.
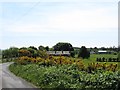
(66,76)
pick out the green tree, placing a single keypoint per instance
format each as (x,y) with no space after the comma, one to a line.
(6,53)
(72,53)
(33,47)
(42,54)
(23,48)
(9,54)
(63,47)
(119,55)
(14,51)
(119,48)
(84,53)
(47,48)
(34,53)
(41,48)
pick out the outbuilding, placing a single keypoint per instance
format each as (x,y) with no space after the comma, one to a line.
(104,52)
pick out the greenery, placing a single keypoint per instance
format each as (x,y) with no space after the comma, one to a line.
(66,72)
(119,55)
(14,52)
(46,71)
(84,53)
(63,47)
(0,56)
(10,53)
(66,76)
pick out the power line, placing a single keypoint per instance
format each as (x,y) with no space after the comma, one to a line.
(26,13)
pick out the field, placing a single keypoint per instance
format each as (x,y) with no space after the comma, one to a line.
(68,72)
(94,56)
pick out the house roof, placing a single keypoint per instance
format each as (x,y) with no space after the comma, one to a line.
(102,51)
(58,52)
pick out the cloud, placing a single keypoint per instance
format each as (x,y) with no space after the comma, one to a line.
(74,20)
(59,0)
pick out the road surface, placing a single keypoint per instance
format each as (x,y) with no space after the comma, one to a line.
(9,80)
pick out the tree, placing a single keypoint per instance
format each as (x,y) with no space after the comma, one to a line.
(33,47)
(119,48)
(42,48)
(23,48)
(6,54)
(84,53)
(95,48)
(34,52)
(47,48)
(103,48)
(63,47)
(14,51)
(72,53)
(42,54)
(10,53)
(119,55)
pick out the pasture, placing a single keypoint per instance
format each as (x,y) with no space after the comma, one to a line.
(94,56)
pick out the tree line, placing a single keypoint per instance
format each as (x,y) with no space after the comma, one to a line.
(32,51)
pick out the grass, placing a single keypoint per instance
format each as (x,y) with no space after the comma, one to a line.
(65,76)
(94,56)
(93,59)
(68,76)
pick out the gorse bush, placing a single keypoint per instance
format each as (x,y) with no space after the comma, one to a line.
(61,60)
(64,72)
(27,60)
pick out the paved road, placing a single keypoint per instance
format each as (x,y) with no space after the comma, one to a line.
(9,80)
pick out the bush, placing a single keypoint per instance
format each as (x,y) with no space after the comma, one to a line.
(43,54)
(84,53)
(72,53)
(119,55)
(67,76)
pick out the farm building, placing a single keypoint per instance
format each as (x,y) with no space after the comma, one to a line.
(57,53)
(92,52)
(104,52)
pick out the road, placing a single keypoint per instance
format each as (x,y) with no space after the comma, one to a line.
(9,80)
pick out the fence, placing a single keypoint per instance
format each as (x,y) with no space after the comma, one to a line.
(103,59)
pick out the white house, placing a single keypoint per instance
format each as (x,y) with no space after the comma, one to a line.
(104,52)
(58,53)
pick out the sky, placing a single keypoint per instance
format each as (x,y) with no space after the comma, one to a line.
(90,23)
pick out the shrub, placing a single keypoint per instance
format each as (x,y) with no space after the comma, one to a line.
(67,76)
(84,53)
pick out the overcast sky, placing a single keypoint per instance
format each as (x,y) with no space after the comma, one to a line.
(87,23)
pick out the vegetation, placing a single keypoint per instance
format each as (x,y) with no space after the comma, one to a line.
(46,71)
(84,53)
(63,47)
(119,55)
(67,76)
(10,53)
(0,56)
(67,72)
(61,60)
